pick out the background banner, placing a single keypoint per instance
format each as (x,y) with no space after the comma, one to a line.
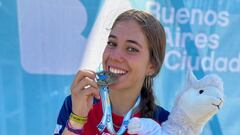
(44,43)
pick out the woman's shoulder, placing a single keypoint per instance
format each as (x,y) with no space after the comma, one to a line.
(160,114)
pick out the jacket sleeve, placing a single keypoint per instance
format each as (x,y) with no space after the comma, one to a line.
(63,116)
(160,114)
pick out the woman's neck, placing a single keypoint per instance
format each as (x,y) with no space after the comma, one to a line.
(122,101)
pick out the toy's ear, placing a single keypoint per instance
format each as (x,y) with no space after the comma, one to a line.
(191,78)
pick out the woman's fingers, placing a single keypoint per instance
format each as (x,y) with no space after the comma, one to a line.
(83,84)
(83,89)
(82,74)
(84,80)
(87,86)
(91,91)
(87,82)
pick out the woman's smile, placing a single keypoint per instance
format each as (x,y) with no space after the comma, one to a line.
(117,71)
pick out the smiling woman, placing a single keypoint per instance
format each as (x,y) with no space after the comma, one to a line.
(135,52)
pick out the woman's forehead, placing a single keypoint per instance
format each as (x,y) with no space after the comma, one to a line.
(129,30)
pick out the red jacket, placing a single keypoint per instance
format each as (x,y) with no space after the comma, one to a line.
(95,116)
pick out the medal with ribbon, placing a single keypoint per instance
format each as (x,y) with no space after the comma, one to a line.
(104,79)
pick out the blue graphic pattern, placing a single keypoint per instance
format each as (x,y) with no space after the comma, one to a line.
(30,101)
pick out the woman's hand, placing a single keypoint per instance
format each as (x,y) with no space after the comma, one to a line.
(83,89)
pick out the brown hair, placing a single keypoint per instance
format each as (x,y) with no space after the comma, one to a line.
(156,39)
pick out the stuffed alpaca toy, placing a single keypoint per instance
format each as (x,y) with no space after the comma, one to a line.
(193,107)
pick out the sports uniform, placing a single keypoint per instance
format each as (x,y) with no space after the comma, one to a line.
(95,116)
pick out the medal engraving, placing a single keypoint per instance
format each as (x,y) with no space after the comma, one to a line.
(105,78)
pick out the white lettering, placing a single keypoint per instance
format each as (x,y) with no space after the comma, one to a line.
(234,64)
(174,55)
(195,13)
(210,18)
(154,8)
(182,16)
(221,64)
(201,40)
(170,18)
(207,62)
(169,39)
(193,16)
(184,38)
(177,37)
(213,41)
(179,60)
(223,18)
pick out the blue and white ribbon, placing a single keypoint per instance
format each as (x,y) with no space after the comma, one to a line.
(107,113)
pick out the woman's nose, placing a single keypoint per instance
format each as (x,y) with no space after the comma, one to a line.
(117,55)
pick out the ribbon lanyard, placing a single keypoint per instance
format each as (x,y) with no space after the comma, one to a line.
(107,113)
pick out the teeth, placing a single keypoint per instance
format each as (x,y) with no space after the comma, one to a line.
(116,71)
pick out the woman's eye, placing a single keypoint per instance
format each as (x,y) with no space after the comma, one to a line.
(131,49)
(111,44)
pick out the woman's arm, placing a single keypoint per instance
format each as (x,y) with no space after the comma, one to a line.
(73,128)
(83,90)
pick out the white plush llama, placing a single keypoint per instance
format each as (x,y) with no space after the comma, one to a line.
(193,107)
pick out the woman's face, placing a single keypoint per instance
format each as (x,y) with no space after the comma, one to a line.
(127,55)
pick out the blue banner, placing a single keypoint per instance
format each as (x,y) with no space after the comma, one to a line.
(44,43)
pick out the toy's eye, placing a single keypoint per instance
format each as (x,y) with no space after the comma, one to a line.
(201,91)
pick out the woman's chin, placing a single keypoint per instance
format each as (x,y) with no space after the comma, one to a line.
(116,86)
(119,84)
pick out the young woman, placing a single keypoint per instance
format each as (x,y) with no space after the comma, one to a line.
(135,52)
